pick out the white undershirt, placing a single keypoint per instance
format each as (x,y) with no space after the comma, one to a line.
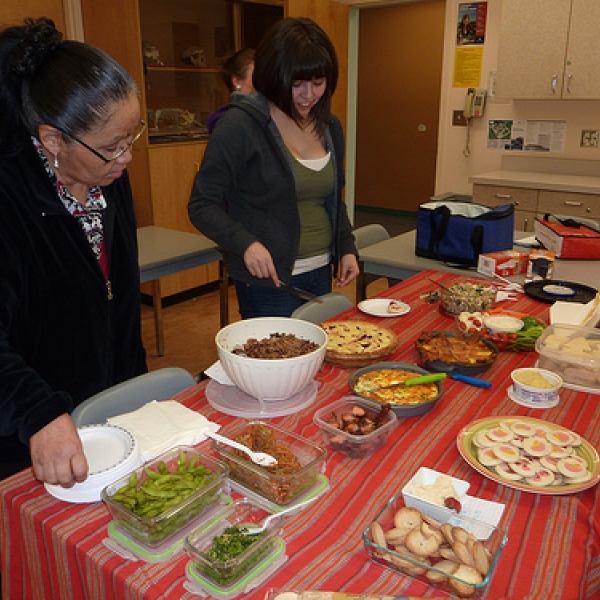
(316,164)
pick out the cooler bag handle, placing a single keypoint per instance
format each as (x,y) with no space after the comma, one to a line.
(437,234)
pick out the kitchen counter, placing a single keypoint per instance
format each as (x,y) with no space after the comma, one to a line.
(544,173)
(557,182)
(540,185)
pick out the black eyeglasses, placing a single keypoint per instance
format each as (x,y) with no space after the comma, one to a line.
(119,152)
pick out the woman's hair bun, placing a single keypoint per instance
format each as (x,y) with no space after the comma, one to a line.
(39,40)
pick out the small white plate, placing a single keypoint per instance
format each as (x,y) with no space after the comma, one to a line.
(378,307)
(111,452)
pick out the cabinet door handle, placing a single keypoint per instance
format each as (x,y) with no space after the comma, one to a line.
(504,196)
(569,83)
(525,223)
(554,82)
(573,203)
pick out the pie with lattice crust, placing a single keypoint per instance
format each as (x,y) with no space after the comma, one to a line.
(357,343)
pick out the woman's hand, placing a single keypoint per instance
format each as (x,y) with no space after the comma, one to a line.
(57,453)
(348,270)
(259,262)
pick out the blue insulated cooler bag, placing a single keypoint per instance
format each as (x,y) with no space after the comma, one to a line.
(459,232)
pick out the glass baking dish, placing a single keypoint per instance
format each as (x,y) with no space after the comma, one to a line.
(199,481)
(282,483)
(479,538)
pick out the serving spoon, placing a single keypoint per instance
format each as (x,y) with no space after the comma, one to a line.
(260,458)
(255,529)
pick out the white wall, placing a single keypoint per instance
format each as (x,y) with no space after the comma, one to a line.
(453,168)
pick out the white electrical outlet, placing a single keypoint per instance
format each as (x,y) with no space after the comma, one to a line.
(589,138)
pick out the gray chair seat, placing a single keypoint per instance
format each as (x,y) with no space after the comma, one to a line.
(333,304)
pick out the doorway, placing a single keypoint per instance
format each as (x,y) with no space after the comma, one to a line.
(399,85)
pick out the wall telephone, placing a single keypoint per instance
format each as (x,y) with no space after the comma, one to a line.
(474,103)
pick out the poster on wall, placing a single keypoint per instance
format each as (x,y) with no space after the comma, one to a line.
(472,17)
(467,67)
(531,136)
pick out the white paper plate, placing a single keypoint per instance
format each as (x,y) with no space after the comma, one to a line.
(378,307)
(111,452)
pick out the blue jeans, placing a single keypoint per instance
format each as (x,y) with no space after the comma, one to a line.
(255,301)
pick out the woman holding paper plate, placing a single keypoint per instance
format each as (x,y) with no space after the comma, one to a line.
(69,275)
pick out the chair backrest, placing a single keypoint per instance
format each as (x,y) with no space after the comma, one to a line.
(132,394)
(370,234)
(333,304)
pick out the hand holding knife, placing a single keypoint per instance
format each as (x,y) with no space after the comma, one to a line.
(298,293)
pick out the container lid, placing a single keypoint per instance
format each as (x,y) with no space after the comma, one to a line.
(229,399)
(197,584)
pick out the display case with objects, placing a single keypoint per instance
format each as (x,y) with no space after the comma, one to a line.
(174,51)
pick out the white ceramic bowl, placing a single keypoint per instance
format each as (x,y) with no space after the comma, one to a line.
(428,477)
(542,397)
(503,323)
(268,379)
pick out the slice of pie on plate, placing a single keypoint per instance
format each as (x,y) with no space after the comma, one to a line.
(356,343)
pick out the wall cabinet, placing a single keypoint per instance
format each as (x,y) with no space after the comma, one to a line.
(549,49)
(531,203)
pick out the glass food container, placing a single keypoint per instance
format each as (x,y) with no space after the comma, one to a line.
(157,500)
(284,482)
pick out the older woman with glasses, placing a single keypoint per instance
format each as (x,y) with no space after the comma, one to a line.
(69,277)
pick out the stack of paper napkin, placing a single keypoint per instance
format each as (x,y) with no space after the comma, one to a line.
(158,426)
(575,313)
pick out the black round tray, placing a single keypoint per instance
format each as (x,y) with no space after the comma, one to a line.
(583,293)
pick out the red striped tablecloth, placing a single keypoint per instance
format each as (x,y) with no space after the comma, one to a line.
(53,549)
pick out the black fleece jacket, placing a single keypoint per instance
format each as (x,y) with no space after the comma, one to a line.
(245,190)
(63,336)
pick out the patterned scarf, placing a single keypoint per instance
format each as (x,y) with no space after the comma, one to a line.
(88,216)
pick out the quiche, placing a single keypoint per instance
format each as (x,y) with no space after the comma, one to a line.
(358,343)
(367,386)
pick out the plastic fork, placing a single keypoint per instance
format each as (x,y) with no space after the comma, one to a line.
(260,458)
(255,529)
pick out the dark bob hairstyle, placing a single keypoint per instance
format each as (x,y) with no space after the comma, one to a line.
(296,49)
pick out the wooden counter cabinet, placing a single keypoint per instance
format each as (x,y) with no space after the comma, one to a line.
(531,203)
(524,199)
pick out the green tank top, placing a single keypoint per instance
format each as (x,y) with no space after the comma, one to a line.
(312,188)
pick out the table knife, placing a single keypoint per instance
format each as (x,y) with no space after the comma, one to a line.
(298,293)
